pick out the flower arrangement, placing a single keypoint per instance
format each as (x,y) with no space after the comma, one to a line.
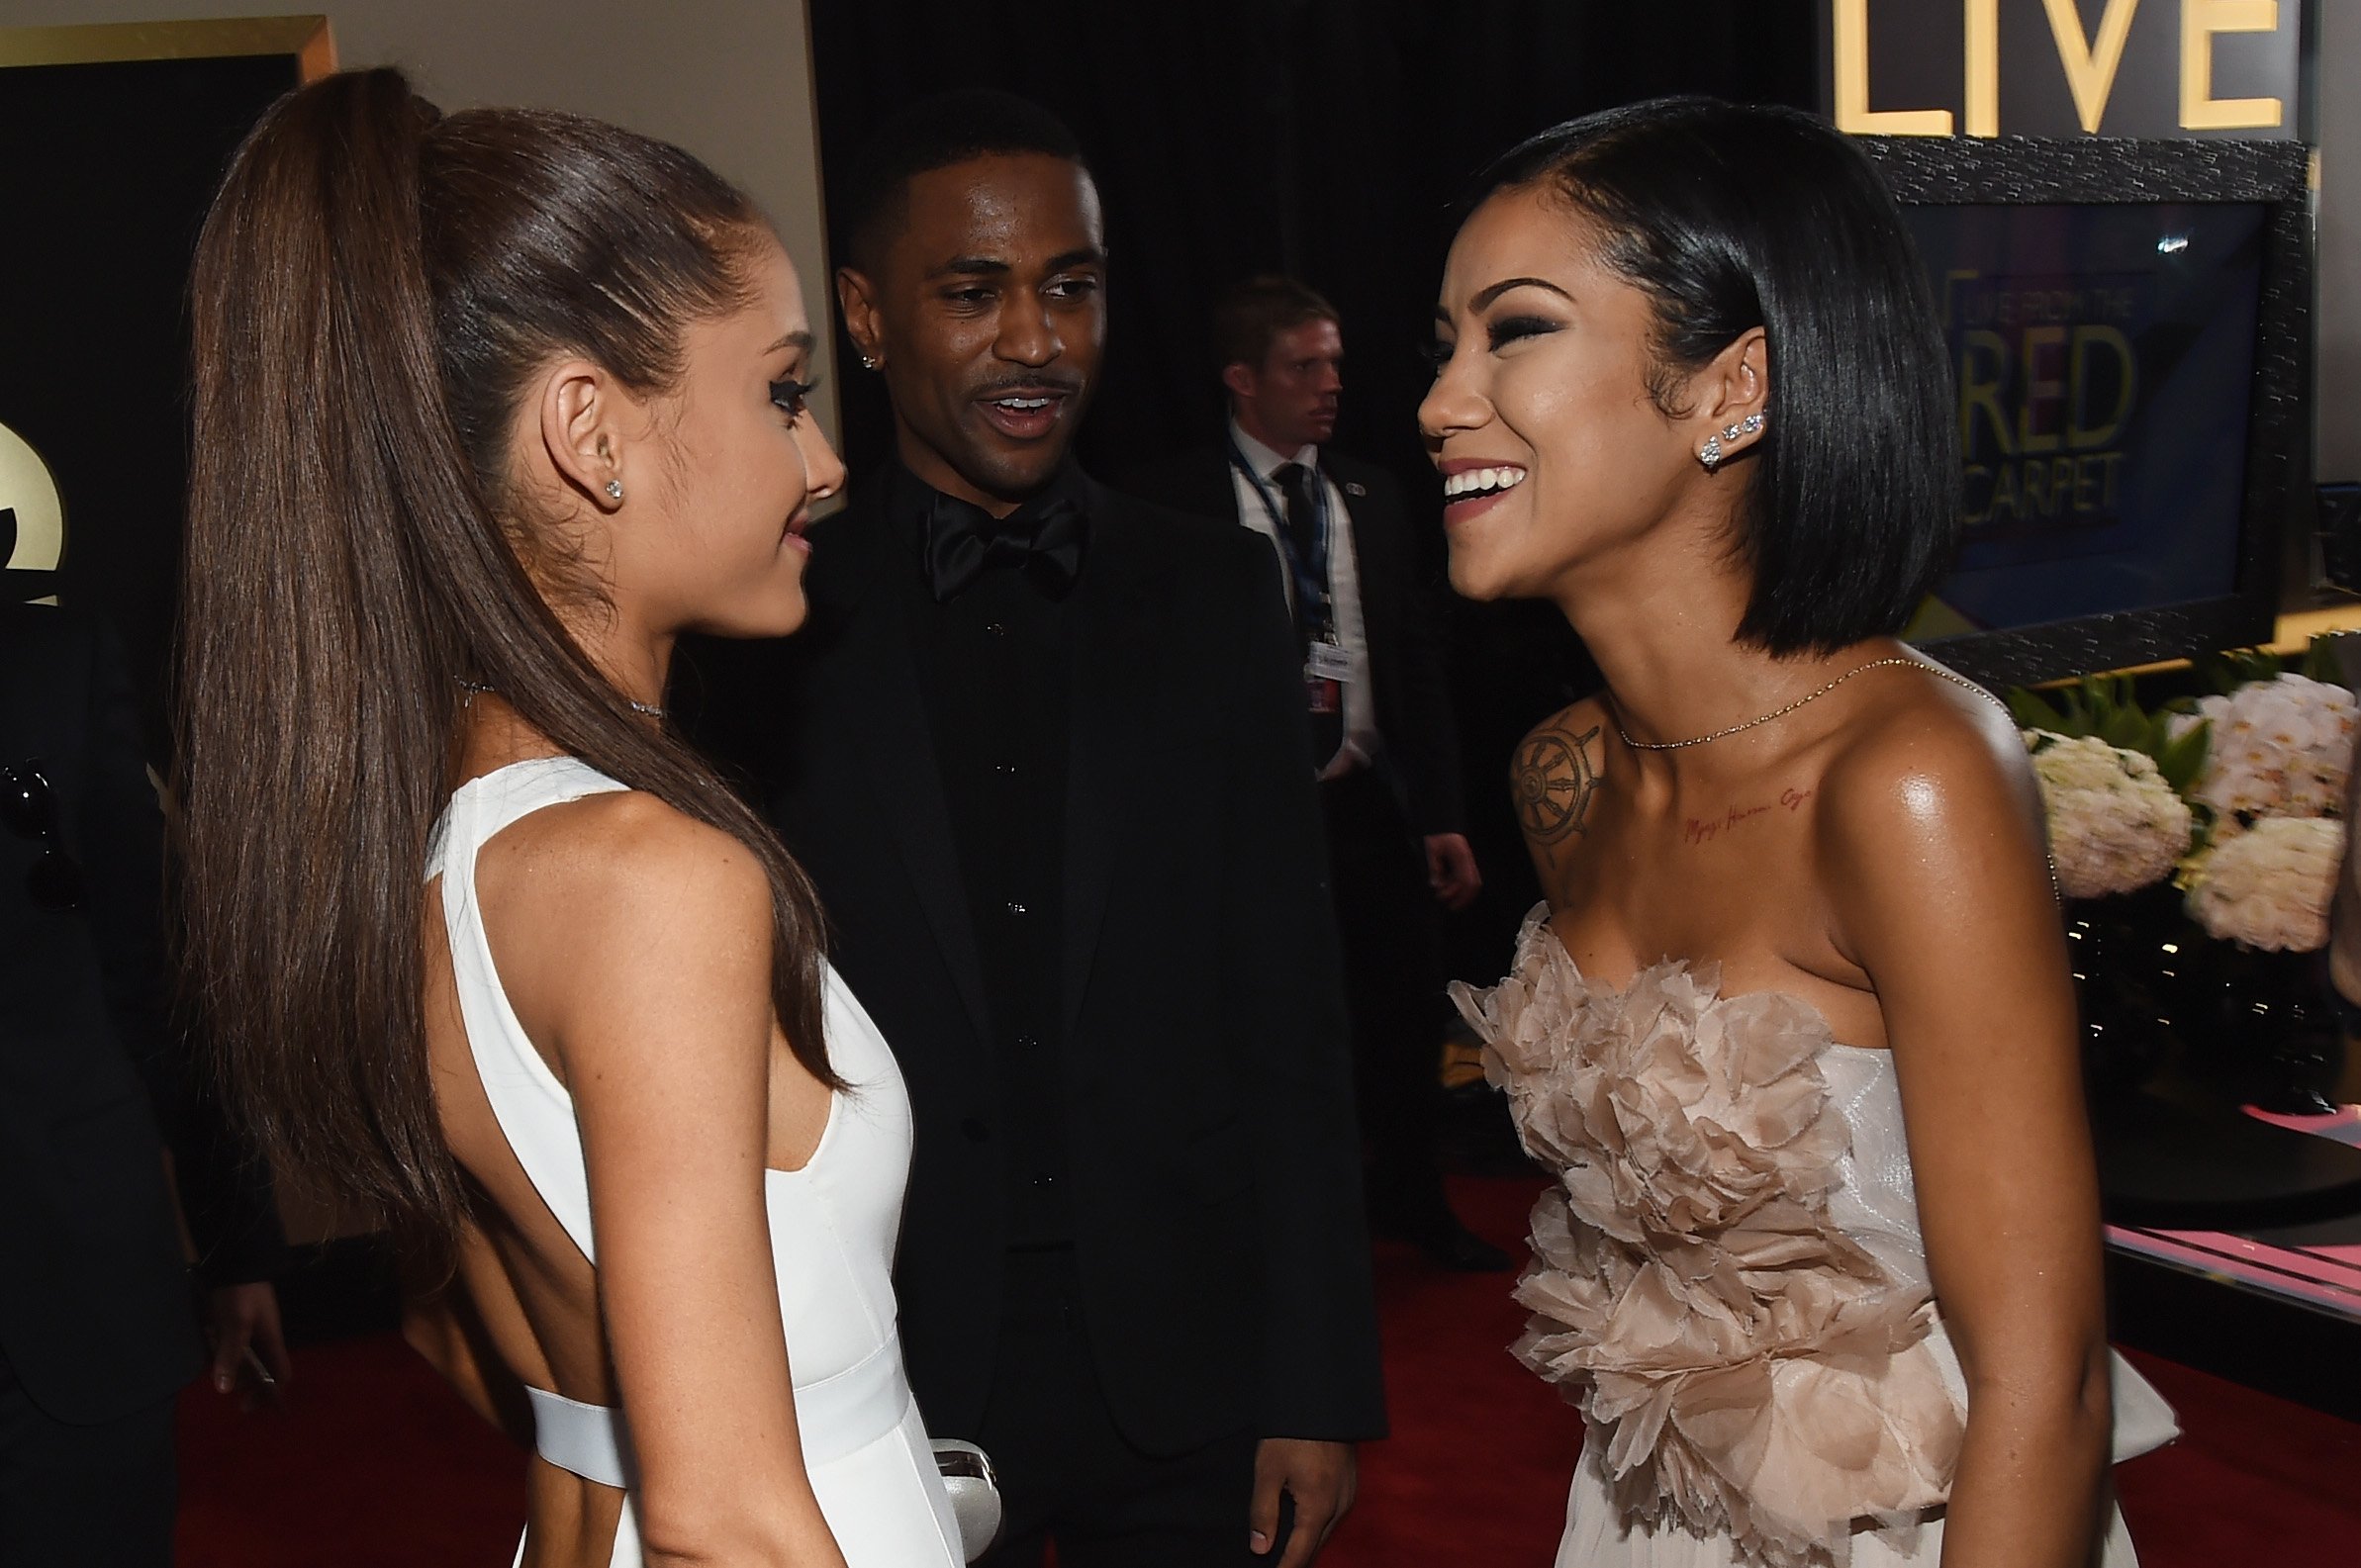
(2268,887)
(2258,769)
(2274,782)
(2115,780)
(2280,747)
(2115,825)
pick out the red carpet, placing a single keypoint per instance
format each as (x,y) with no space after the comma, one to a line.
(375,1465)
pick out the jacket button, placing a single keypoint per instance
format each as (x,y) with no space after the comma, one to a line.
(976,1131)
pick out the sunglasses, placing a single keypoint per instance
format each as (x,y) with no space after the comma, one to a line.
(29,809)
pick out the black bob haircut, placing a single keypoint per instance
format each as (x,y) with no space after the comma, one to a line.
(935,133)
(1733,216)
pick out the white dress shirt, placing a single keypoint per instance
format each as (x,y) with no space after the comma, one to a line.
(1362,740)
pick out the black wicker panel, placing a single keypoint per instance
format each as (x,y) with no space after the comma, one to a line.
(1962,169)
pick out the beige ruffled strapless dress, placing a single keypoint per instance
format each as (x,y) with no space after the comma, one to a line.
(1728,1278)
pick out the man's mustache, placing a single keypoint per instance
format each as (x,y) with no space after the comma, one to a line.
(1033,386)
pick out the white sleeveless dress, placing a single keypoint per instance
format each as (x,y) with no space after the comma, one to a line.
(1728,1279)
(833,1227)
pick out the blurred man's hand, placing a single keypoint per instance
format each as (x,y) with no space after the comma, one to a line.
(1451,869)
(245,1322)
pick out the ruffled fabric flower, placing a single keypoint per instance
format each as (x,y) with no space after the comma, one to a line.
(2114,824)
(2279,748)
(2269,886)
(1750,1369)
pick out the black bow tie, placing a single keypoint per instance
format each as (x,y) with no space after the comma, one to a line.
(1043,538)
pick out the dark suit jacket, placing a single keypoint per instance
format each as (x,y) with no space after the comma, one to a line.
(96,1316)
(1219,1242)
(1406,663)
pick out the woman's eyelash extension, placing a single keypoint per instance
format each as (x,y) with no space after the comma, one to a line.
(788,396)
(1510,328)
(1435,354)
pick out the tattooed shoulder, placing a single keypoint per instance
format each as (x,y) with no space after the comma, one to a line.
(1556,774)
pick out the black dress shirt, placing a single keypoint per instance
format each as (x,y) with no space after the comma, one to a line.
(995,670)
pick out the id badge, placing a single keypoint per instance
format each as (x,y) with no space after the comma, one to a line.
(1327,661)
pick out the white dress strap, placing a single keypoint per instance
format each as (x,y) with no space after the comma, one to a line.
(591,1441)
(533,1109)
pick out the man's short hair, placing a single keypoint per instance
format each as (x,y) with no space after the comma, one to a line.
(1250,316)
(935,133)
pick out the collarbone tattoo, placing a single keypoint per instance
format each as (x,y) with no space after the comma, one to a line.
(1704,830)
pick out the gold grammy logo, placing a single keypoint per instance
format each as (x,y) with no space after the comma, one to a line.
(2091,60)
(32,520)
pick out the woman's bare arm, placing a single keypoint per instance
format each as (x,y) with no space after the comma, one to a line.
(1931,850)
(654,977)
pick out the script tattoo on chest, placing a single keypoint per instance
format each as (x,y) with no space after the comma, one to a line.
(1704,830)
(1554,780)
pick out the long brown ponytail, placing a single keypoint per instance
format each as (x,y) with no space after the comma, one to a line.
(373,289)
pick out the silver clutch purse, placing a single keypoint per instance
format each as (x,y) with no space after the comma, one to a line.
(974,1494)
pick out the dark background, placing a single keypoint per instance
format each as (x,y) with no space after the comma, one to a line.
(1327,138)
(101,209)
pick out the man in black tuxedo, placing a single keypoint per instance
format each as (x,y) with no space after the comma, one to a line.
(1385,747)
(1042,748)
(98,1329)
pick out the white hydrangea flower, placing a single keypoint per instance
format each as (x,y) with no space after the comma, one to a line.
(2114,824)
(2270,886)
(2278,748)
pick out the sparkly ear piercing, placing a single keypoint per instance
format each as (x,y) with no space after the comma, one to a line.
(1711,453)
(869,362)
(615,490)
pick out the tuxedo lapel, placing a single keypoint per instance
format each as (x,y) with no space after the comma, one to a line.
(1221,488)
(1360,525)
(1120,652)
(884,715)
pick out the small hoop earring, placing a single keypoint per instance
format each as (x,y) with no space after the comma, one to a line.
(615,490)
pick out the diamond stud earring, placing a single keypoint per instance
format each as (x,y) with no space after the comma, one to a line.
(1710,454)
(615,490)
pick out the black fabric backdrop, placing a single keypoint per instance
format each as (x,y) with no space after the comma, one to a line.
(1326,139)
(109,172)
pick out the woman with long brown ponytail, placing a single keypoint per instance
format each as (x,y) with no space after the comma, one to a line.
(489,409)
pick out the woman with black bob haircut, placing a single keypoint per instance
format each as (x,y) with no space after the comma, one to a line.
(490,407)
(1794,1026)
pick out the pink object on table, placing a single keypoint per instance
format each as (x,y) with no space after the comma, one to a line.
(2344,1126)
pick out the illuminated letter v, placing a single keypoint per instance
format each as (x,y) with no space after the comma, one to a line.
(2091,67)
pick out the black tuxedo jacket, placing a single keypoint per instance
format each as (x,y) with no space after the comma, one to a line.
(1219,1242)
(96,1315)
(1406,660)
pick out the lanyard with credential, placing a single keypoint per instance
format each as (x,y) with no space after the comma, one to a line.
(1310,575)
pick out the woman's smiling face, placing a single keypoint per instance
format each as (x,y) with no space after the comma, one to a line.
(1551,449)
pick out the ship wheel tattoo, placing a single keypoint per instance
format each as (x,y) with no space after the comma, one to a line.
(1553,782)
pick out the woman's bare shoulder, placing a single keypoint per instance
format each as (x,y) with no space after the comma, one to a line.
(1556,774)
(1930,764)
(616,877)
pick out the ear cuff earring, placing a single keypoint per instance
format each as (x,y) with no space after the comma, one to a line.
(615,490)
(1711,453)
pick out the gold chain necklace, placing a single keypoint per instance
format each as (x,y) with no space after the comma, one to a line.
(2048,858)
(1678,745)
